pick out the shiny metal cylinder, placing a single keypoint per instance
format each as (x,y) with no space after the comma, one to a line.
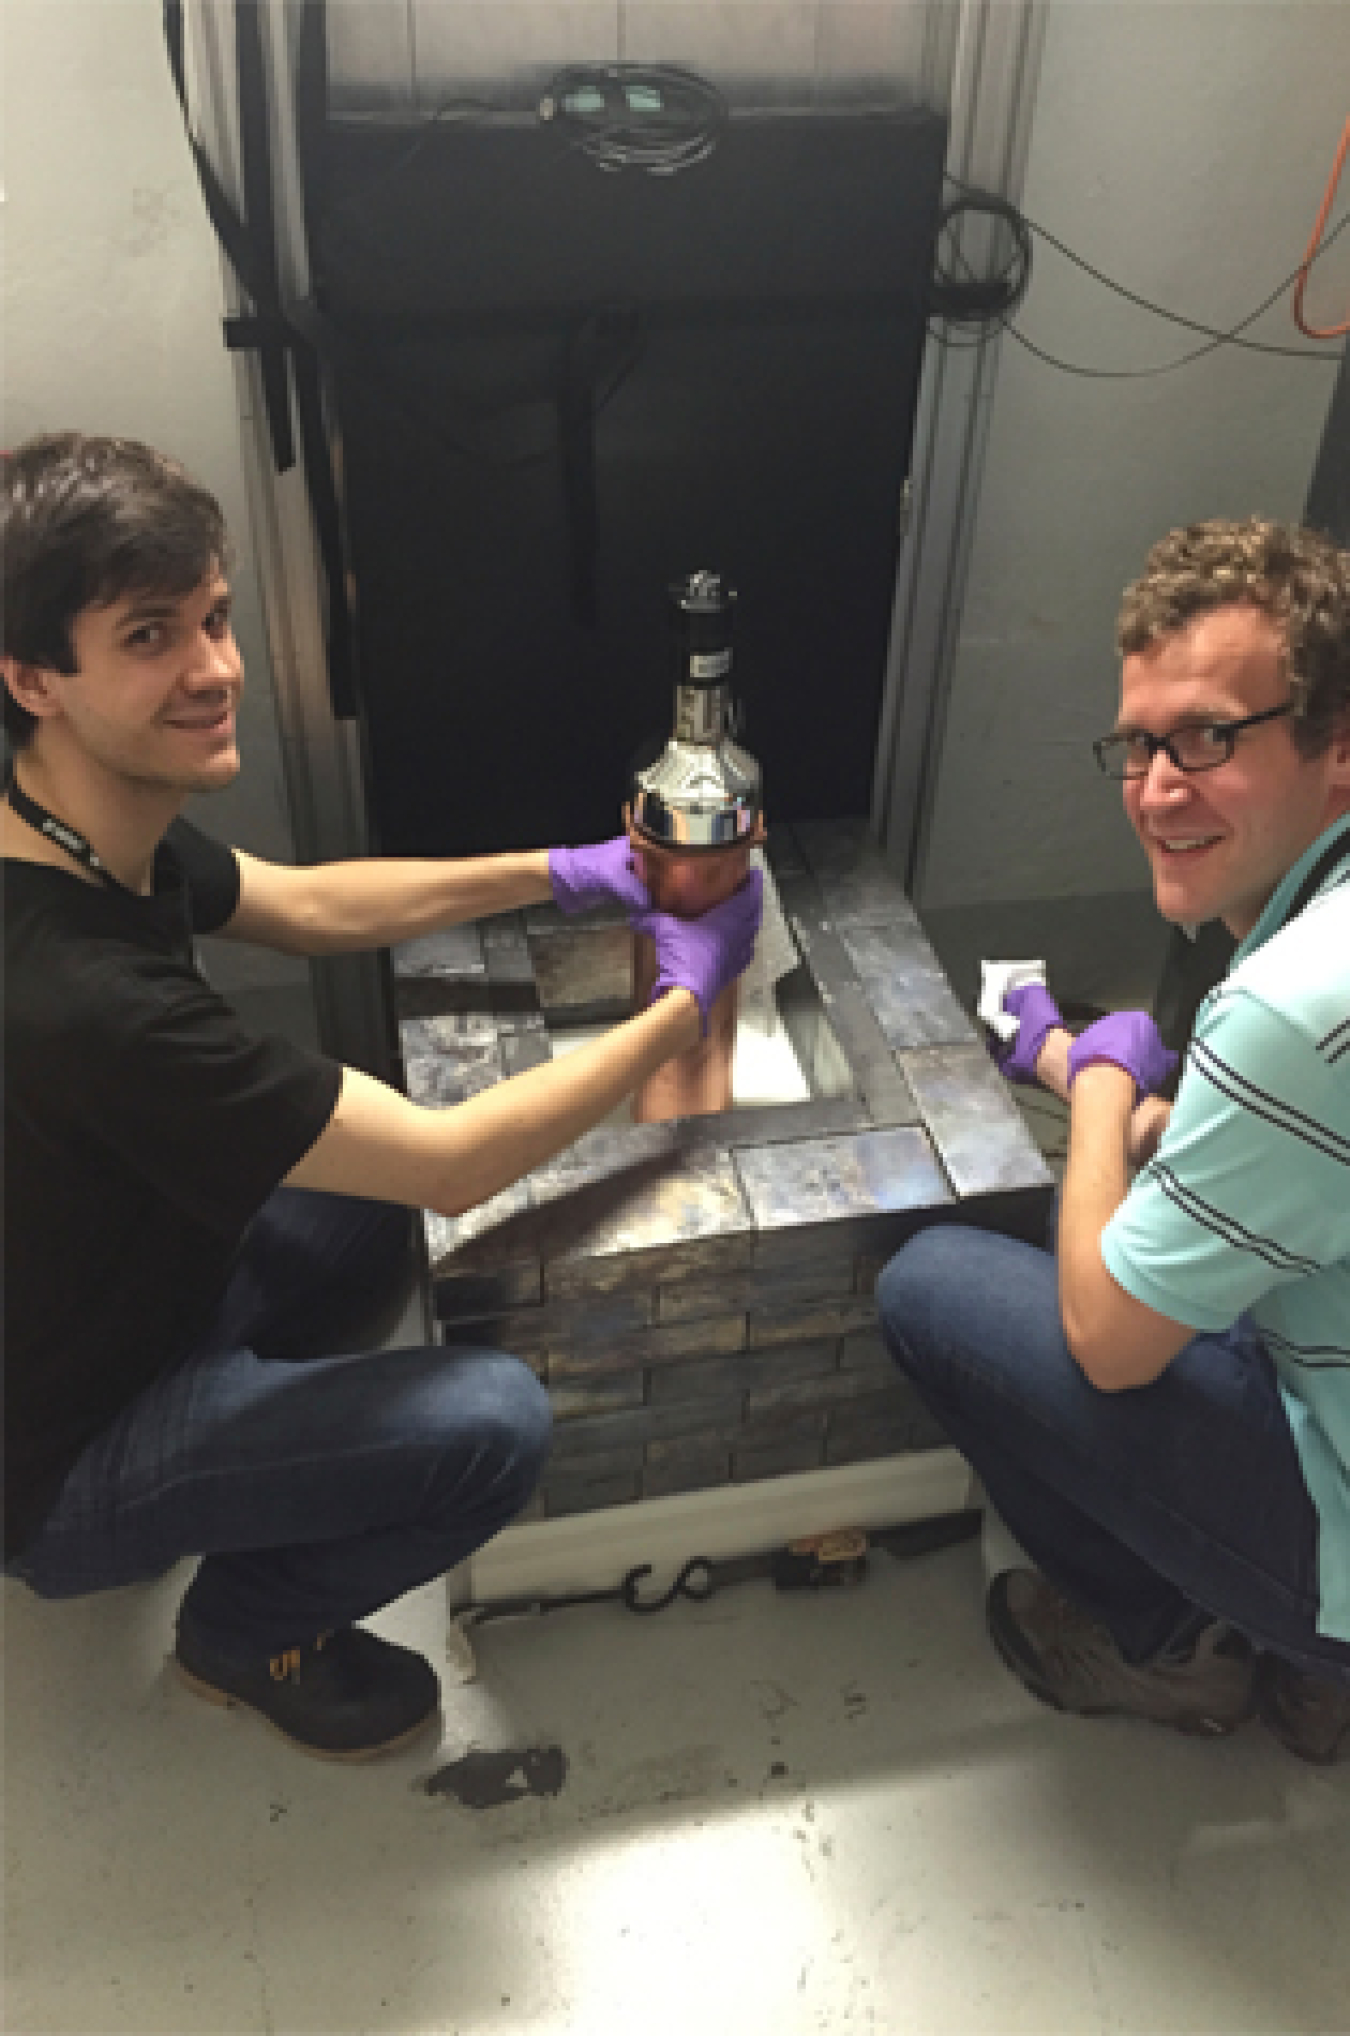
(703,790)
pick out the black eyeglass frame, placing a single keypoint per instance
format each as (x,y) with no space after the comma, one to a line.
(1103,747)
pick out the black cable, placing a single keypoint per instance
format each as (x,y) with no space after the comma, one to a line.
(979,301)
(655,118)
(1217,337)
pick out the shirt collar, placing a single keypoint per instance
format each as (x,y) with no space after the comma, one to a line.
(1282,897)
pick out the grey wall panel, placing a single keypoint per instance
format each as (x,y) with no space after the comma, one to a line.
(370,54)
(867,52)
(759,55)
(506,50)
(387,54)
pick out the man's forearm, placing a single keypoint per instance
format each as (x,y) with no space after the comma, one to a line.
(377,1143)
(1105,1329)
(507,1130)
(347,907)
(1096,1181)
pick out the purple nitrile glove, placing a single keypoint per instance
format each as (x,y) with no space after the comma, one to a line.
(583,877)
(1133,1042)
(705,954)
(1038,1014)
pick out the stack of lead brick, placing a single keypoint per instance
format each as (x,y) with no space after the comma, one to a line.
(697,1296)
(698,1371)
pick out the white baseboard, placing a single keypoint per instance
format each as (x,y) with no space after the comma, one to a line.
(594,1551)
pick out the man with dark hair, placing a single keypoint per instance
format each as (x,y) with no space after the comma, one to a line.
(196,1216)
(1161,1411)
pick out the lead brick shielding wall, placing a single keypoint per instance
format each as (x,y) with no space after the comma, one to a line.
(710,1380)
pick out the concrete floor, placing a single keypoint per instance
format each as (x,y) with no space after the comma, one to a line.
(778,1815)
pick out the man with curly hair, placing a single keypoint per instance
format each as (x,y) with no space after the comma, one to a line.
(1160,1410)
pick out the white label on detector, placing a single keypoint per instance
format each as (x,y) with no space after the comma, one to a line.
(709,667)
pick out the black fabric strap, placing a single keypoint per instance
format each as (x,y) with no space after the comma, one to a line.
(276,331)
(256,177)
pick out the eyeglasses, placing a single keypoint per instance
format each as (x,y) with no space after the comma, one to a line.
(1201,748)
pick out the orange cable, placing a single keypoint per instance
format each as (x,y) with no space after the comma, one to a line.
(1313,331)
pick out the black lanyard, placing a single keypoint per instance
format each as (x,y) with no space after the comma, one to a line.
(65,836)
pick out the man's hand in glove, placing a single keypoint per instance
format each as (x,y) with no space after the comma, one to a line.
(1133,1042)
(703,955)
(585,877)
(1038,1016)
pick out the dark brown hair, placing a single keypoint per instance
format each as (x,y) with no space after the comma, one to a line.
(83,522)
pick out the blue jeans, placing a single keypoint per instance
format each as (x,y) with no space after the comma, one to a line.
(316,1487)
(1156,1509)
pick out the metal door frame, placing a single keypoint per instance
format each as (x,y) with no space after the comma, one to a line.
(321,757)
(990,52)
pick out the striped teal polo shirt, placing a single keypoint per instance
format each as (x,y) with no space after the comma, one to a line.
(1246,1204)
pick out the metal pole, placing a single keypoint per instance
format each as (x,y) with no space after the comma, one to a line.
(988,72)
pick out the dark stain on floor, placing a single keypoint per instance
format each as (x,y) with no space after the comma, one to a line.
(484,1780)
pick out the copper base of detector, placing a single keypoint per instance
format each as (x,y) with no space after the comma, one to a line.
(688,883)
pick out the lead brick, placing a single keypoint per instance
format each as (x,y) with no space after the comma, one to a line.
(835,1317)
(668,1344)
(648,1266)
(453,951)
(683,1447)
(784,1421)
(978,1130)
(608,1432)
(472,1295)
(778,1459)
(578,1398)
(740,1374)
(554,1323)
(523,1046)
(693,1472)
(866,1352)
(822,1279)
(821,1392)
(590,1495)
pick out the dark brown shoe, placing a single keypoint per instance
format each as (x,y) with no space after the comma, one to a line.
(1070,1662)
(1309,1714)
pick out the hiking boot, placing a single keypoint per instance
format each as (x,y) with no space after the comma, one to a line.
(345,1696)
(1069,1661)
(1309,1714)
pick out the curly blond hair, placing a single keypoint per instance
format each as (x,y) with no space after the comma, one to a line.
(1297,577)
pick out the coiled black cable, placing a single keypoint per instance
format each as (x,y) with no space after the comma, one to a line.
(967,300)
(985,305)
(650,117)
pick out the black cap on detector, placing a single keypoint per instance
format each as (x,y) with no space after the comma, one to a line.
(702,611)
